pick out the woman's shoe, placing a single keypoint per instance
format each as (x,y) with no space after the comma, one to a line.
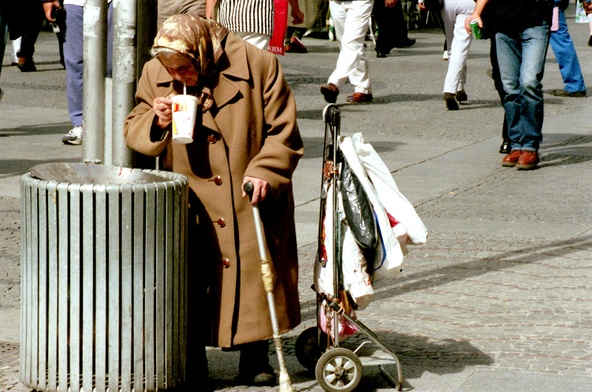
(450,100)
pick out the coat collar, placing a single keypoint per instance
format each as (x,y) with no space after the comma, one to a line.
(225,88)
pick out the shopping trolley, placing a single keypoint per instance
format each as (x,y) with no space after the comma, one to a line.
(338,368)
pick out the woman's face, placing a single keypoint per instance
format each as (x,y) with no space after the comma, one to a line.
(181,68)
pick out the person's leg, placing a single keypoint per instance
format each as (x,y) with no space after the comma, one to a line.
(383,17)
(352,42)
(399,23)
(566,56)
(509,55)
(3,39)
(459,50)
(535,42)
(254,367)
(497,82)
(73,56)
(32,27)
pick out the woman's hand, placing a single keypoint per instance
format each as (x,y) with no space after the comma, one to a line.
(260,189)
(162,109)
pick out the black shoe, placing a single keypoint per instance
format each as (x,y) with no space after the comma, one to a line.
(450,100)
(381,55)
(263,379)
(330,92)
(461,96)
(572,94)
(26,65)
(404,43)
(505,147)
(590,41)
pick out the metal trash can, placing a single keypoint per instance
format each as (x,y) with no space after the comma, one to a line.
(103,261)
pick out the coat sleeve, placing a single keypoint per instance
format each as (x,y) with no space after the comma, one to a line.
(282,144)
(140,132)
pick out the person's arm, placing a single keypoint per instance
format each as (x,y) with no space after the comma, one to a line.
(147,127)
(282,147)
(48,7)
(297,14)
(476,15)
(390,3)
(210,6)
(588,6)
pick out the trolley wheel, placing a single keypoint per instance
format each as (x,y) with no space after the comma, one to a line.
(339,370)
(308,349)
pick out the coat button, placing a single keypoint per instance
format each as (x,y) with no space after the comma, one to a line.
(226,262)
(221,222)
(212,139)
(218,180)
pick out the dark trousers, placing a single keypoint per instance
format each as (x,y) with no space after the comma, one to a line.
(391,24)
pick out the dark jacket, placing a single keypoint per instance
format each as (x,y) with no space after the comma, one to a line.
(512,17)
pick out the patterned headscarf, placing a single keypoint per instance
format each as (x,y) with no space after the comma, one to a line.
(196,37)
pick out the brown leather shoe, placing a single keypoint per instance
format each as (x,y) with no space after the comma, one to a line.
(528,160)
(330,92)
(511,159)
(359,98)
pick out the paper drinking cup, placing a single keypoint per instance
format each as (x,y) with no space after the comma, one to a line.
(184,109)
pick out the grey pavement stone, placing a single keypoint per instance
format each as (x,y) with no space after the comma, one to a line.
(500,296)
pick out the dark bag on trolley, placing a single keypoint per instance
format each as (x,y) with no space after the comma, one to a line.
(359,213)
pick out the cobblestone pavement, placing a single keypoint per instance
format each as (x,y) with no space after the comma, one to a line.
(500,296)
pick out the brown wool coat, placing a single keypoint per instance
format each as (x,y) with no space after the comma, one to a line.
(251,130)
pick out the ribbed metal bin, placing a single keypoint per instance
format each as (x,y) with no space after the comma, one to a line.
(103,280)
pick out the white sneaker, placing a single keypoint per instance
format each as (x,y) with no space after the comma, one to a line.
(74,136)
(445,55)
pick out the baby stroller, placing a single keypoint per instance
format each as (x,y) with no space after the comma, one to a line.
(318,348)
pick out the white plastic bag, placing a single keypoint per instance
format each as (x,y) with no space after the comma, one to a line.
(389,254)
(388,193)
(324,264)
(356,279)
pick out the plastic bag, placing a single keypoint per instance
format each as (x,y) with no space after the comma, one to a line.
(324,264)
(358,211)
(356,279)
(326,318)
(389,255)
(387,191)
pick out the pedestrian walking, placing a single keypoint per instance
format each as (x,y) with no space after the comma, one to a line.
(350,20)
(454,14)
(522,38)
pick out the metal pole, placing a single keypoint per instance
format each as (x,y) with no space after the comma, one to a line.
(94,69)
(124,76)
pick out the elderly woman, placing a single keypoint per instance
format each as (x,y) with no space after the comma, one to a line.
(246,131)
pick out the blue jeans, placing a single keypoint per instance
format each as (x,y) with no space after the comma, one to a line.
(73,57)
(566,56)
(521,62)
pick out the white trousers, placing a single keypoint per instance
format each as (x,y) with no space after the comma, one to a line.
(454,14)
(259,40)
(350,20)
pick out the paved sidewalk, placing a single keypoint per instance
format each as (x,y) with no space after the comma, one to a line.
(498,299)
